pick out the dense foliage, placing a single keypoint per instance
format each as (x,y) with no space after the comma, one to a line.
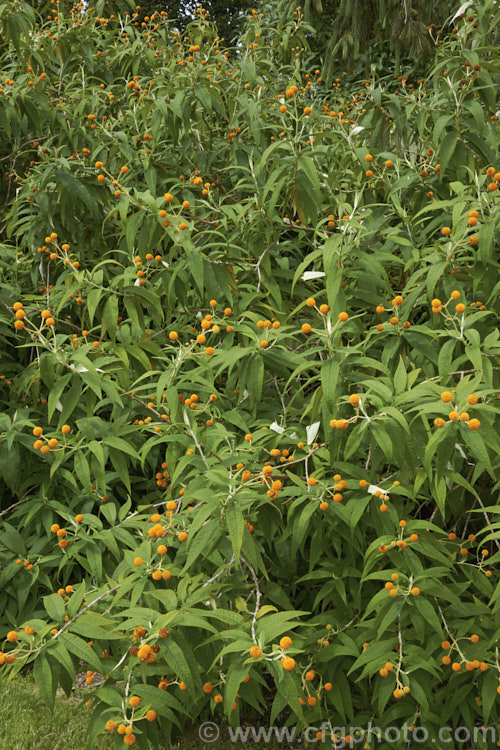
(249,352)
(229,17)
(373,35)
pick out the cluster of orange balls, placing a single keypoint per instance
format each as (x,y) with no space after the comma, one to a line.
(343,424)
(138,264)
(492,172)
(19,314)
(162,476)
(394,320)
(335,491)
(127,729)
(45,445)
(12,637)
(288,663)
(369,158)
(311,694)
(207,325)
(455,415)
(324,310)
(456,666)
(437,305)
(61,534)
(472,221)
(388,668)
(52,249)
(394,589)
(400,543)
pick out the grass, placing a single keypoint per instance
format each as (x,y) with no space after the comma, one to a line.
(26,723)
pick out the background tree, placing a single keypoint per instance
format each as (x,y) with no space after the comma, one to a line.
(357,35)
(229,17)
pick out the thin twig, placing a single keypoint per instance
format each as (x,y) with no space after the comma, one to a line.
(258,595)
(400,642)
(196,442)
(11,507)
(368,457)
(257,265)
(220,572)
(457,372)
(102,596)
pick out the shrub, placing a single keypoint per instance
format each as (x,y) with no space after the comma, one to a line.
(248,457)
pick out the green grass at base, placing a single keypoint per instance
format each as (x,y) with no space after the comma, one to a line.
(26,723)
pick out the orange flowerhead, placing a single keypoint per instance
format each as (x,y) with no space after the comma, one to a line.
(288,663)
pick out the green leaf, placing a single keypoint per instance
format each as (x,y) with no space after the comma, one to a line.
(70,399)
(428,613)
(477,112)
(477,447)
(255,378)
(485,247)
(56,393)
(374,653)
(94,557)
(446,150)
(121,467)
(445,357)
(121,445)
(440,493)
(270,626)
(81,649)
(203,541)
(439,126)
(76,600)
(432,445)
(307,189)
(59,652)
(110,317)
(434,275)
(82,469)
(357,507)
(177,661)
(301,525)
(133,224)
(93,299)
(10,464)
(236,418)
(382,439)
(48,365)
(77,189)
(97,449)
(488,693)
(12,539)
(42,673)
(400,377)
(195,263)
(385,688)
(329,379)
(94,625)
(289,689)
(390,615)
(236,526)
(235,676)
(54,606)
